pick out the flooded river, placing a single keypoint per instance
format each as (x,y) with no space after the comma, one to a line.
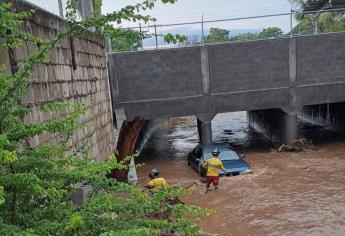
(287,194)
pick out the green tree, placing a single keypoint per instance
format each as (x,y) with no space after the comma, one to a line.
(36,182)
(270,32)
(317,22)
(217,35)
(124,39)
(245,37)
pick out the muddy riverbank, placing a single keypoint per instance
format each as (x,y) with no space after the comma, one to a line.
(287,194)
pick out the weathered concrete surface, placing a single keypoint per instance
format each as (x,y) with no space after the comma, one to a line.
(279,126)
(269,74)
(204,123)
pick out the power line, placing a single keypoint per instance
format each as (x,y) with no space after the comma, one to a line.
(230,11)
(237,18)
(211,15)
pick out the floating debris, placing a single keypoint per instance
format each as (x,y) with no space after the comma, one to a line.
(228,132)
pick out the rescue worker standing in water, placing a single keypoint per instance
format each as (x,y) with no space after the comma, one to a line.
(156,182)
(213,165)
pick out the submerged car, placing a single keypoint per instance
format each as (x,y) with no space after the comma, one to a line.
(233,162)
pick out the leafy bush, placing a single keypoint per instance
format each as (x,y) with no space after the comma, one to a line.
(37,182)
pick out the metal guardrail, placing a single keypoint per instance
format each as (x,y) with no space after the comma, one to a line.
(197,31)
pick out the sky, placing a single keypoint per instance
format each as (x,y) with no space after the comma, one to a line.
(191,10)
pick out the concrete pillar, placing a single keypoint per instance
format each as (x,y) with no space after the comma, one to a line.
(289,129)
(204,123)
(279,126)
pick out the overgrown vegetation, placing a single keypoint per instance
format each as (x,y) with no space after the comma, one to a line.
(218,35)
(124,39)
(267,33)
(36,182)
(317,22)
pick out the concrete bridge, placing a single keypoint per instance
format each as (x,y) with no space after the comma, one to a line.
(271,79)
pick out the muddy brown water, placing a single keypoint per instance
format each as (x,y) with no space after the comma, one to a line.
(287,194)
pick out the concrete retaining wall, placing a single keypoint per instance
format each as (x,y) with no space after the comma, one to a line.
(58,79)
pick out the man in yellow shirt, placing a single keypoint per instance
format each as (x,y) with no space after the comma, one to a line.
(156,182)
(213,165)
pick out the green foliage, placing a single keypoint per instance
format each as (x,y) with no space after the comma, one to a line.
(245,37)
(131,40)
(222,35)
(331,22)
(322,22)
(325,22)
(170,38)
(97,7)
(37,182)
(267,33)
(124,39)
(2,195)
(217,35)
(270,32)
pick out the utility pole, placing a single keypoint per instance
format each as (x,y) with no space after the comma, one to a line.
(60,9)
(109,45)
(202,28)
(291,27)
(141,37)
(315,23)
(156,36)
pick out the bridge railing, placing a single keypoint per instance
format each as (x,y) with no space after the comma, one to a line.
(258,27)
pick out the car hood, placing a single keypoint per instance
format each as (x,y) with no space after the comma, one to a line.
(235,166)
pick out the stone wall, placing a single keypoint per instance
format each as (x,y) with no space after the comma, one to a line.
(76,72)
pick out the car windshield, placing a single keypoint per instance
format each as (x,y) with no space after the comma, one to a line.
(225,155)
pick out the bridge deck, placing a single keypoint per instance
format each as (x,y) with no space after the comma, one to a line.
(283,73)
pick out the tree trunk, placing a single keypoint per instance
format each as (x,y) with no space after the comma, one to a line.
(128,136)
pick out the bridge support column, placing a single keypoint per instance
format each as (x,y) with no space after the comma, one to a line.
(205,128)
(279,126)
